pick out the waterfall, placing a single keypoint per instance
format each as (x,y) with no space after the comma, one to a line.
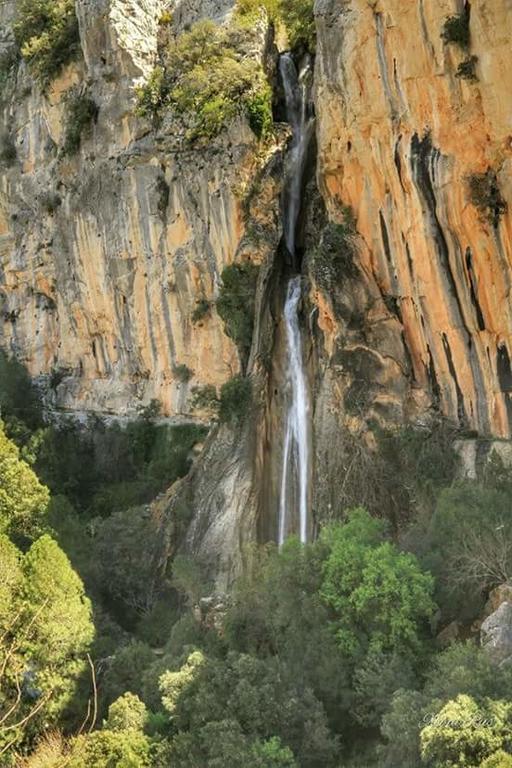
(296,453)
(296,90)
(296,470)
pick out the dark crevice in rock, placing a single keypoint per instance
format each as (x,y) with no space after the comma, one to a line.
(385,238)
(398,161)
(504,369)
(432,377)
(474,290)
(461,409)
(409,260)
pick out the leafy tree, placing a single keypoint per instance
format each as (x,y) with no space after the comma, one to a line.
(463,733)
(125,672)
(461,670)
(11,577)
(126,546)
(106,749)
(466,668)
(272,754)
(23,500)
(127,713)
(470,552)
(277,610)
(19,404)
(375,682)
(46,633)
(257,702)
(400,728)
(61,613)
(499,759)
(381,598)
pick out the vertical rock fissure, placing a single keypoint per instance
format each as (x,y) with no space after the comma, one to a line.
(296,459)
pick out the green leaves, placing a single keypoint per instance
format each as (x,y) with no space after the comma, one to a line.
(23,499)
(462,734)
(380,596)
(206,77)
(47,33)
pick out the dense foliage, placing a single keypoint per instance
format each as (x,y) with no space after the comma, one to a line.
(47,34)
(206,77)
(295,16)
(324,656)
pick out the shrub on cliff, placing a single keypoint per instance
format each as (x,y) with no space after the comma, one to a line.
(456,29)
(296,16)
(467,69)
(485,195)
(82,113)
(206,78)
(48,36)
(235,400)
(236,303)
(333,260)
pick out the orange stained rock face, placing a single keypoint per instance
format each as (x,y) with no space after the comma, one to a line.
(399,136)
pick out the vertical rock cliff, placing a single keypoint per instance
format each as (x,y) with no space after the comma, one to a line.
(405,243)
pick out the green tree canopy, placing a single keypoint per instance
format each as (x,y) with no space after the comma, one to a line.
(381,598)
(23,500)
(463,733)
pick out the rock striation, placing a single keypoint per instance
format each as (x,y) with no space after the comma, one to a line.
(105,255)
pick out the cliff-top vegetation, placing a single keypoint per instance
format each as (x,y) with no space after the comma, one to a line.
(295,16)
(206,77)
(47,34)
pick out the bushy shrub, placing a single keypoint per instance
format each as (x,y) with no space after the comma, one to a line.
(235,400)
(485,195)
(48,36)
(465,733)
(299,20)
(183,373)
(205,78)
(456,29)
(236,304)
(467,69)
(8,64)
(333,259)
(201,311)
(259,111)
(50,201)
(82,113)
(205,398)
(296,16)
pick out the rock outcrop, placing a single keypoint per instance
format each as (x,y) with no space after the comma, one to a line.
(400,135)
(496,629)
(105,255)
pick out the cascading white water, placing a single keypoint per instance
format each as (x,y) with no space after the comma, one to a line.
(296,95)
(296,454)
(296,448)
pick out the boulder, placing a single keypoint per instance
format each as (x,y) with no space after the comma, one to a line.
(496,634)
